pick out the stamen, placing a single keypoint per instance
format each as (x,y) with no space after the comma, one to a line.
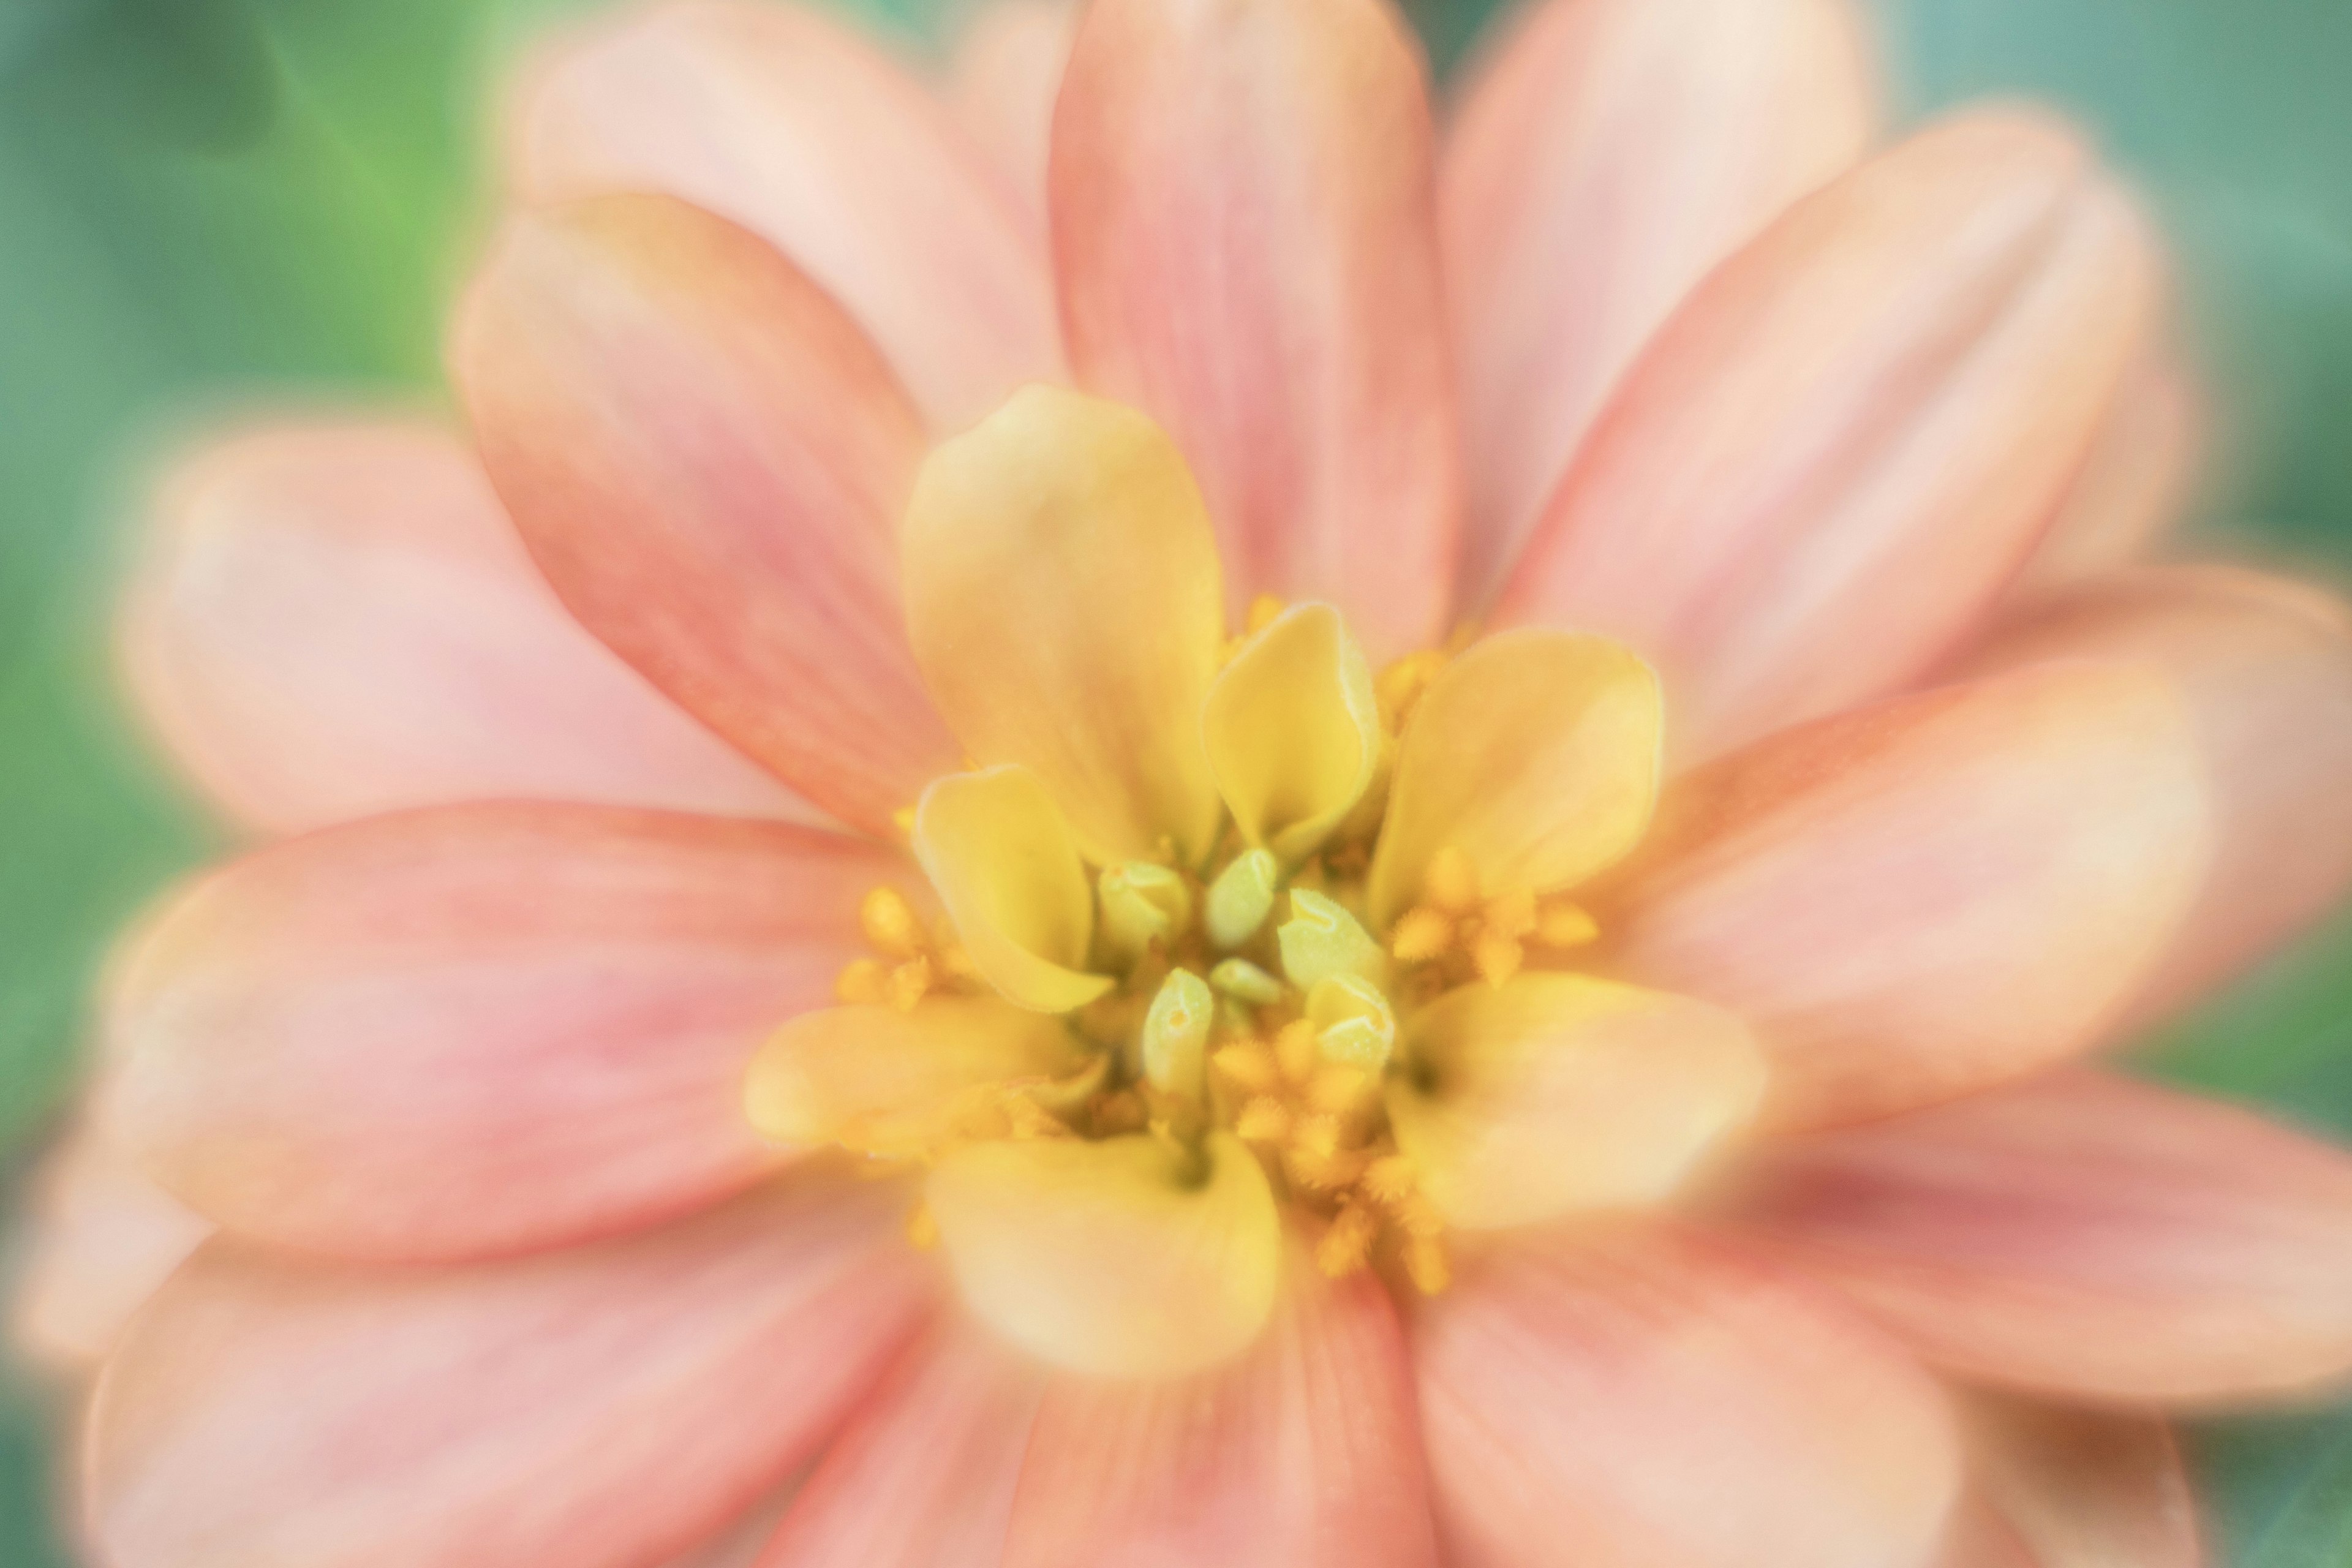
(1425,1264)
(1422,934)
(908,981)
(889,923)
(1564,925)
(862,983)
(1249,1067)
(1400,685)
(1497,957)
(1346,1246)
(1451,883)
(1263,1120)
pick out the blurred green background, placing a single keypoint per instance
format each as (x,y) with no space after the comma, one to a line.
(209,201)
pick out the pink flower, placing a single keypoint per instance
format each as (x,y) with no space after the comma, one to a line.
(1294,1104)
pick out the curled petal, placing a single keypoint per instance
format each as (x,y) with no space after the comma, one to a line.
(2265,666)
(1303,1453)
(336,619)
(802,131)
(1002,859)
(1244,229)
(1535,755)
(636,1395)
(1293,731)
(1832,460)
(708,460)
(893,1083)
(1610,154)
(1631,1396)
(478,1028)
(1559,1092)
(2085,1236)
(1915,901)
(1113,1258)
(1061,591)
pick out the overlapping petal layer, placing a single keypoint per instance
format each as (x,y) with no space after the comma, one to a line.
(708,461)
(1921,899)
(1617,1397)
(335,620)
(478,1028)
(1837,453)
(2084,1237)
(2057,1488)
(1609,154)
(1261,278)
(596,1406)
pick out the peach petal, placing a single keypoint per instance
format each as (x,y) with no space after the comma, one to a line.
(97,1240)
(480,1029)
(2084,1237)
(1243,212)
(1006,74)
(600,1407)
(334,618)
(2265,664)
(1608,1398)
(1303,1453)
(1917,900)
(923,1476)
(800,130)
(2070,1488)
(708,462)
(2134,483)
(1835,455)
(1608,155)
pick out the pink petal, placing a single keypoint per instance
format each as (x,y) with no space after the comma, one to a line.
(802,131)
(99,1238)
(336,619)
(1007,73)
(2135,481)
(1610,154)
(1834,457)
(2070,1489)
(597,1408)
(2266,667)
(1625,1398)
(708,462)
(741,1541)
(1243,219)
(1303,1453)
(480,1029)
(2083,1235)
(1917,900)
(923,1476)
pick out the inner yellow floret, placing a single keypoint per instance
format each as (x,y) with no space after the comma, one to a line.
(1231,937)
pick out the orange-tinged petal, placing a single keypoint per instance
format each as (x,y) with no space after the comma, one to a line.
(1627,1396)
(1606,157)
(1003,862)
(800,130)
(895,1082)
(334,618)
(1244,230)
(923,1476)
(97,1239)
(1304,1453)
(2070,1488)
(1293,731)
(2084,1237)
(601,1406)
(708,461)
(1062,593)
(478,1028)
(1555,1093)
(2134,483)
(1006,74)
(2265,666)
(1920,898)
(1535,755)
(1113,1258)
(1834,457)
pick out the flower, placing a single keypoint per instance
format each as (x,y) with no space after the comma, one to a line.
(1377,1067)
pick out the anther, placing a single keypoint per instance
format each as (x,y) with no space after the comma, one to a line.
(862,983)
(1346,1246)
(889,923)
(1451,882)
(1422,934)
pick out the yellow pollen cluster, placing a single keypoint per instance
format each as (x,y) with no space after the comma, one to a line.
(911,963)
(1452,934)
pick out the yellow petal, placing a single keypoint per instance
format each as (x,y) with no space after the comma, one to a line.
(1004,864)
(1112,1258)
(1560,1092)
(890,1083)
(1293,732)
(1535,755)
(1067,608)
